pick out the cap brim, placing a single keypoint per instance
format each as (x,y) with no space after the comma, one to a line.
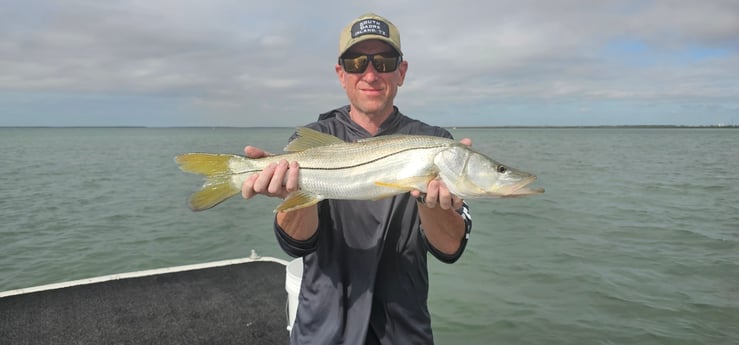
(371,37)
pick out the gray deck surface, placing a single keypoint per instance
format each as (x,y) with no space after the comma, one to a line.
(236,304)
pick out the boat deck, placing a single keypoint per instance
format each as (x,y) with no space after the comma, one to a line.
(234,304)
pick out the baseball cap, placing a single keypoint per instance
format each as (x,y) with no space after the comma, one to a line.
(369,27)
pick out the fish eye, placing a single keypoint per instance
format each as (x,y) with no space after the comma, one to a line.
(501,169)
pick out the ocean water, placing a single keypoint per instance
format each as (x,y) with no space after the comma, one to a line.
(636,240)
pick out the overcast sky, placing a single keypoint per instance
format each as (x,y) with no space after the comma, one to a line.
(271,63)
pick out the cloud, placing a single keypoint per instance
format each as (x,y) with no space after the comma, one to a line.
(234,62)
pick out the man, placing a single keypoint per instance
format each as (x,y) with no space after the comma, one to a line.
(365,277)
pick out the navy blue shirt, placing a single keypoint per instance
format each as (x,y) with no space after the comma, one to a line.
(365,278)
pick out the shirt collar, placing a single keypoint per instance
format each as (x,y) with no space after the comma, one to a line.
(387,127)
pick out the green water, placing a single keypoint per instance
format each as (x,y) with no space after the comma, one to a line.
(636,240)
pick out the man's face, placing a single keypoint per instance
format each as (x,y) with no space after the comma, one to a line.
(371,93)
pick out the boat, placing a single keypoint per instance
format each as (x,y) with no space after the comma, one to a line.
(239,301)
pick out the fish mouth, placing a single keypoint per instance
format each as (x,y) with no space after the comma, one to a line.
(519,189)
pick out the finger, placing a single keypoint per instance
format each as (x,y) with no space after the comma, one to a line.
(432,194)
(457,202)
(445,197)
(466,141)
(255,152)
(247,188)
(276,183)
(263,179)
(293,173)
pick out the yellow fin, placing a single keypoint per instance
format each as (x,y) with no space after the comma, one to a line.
(407,184)
(215,191)
(297,200)
(218,186)
(310,138)
(207,164)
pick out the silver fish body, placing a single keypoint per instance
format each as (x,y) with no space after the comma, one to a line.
(369,169)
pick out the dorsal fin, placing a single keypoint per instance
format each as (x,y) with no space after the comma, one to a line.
(309,138)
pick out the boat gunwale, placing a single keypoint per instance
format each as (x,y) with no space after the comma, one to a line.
(139,274)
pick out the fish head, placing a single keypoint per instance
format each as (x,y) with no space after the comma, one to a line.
(470,174)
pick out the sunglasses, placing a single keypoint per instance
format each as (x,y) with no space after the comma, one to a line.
(382,62)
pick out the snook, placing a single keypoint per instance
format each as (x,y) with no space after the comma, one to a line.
(369,169)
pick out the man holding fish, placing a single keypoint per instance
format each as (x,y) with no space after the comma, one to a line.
(365,277)
(368,192)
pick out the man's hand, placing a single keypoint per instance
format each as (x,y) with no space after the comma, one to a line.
(276,180)
(437,192)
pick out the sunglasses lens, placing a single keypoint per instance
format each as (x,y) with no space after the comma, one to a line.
(355,65)
(358,64)
(384,64)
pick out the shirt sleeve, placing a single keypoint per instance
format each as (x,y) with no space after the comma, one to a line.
(293,247)
(464,211)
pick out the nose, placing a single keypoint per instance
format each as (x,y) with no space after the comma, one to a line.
(370,74)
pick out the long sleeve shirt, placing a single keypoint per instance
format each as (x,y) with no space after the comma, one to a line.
(365,278)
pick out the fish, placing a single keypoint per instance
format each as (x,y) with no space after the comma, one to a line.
(368,169)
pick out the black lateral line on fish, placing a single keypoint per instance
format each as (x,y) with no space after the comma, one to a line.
(348,166)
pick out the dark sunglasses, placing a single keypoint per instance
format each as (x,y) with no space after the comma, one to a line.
(382,62)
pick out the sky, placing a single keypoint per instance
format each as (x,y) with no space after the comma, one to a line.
(271,63)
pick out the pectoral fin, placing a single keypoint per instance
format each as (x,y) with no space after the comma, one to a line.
(297,200)
(406,184)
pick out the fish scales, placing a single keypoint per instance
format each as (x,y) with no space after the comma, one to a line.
(369,169)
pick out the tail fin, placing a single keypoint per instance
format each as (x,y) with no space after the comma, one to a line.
(218,184)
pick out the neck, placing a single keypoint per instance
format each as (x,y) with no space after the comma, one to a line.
(371,122)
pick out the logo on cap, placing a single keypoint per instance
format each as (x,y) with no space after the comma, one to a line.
(370,27)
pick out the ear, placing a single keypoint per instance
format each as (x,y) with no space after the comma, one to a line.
(340,73)
(403,68)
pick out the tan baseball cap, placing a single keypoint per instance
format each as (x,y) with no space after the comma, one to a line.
(369,27)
